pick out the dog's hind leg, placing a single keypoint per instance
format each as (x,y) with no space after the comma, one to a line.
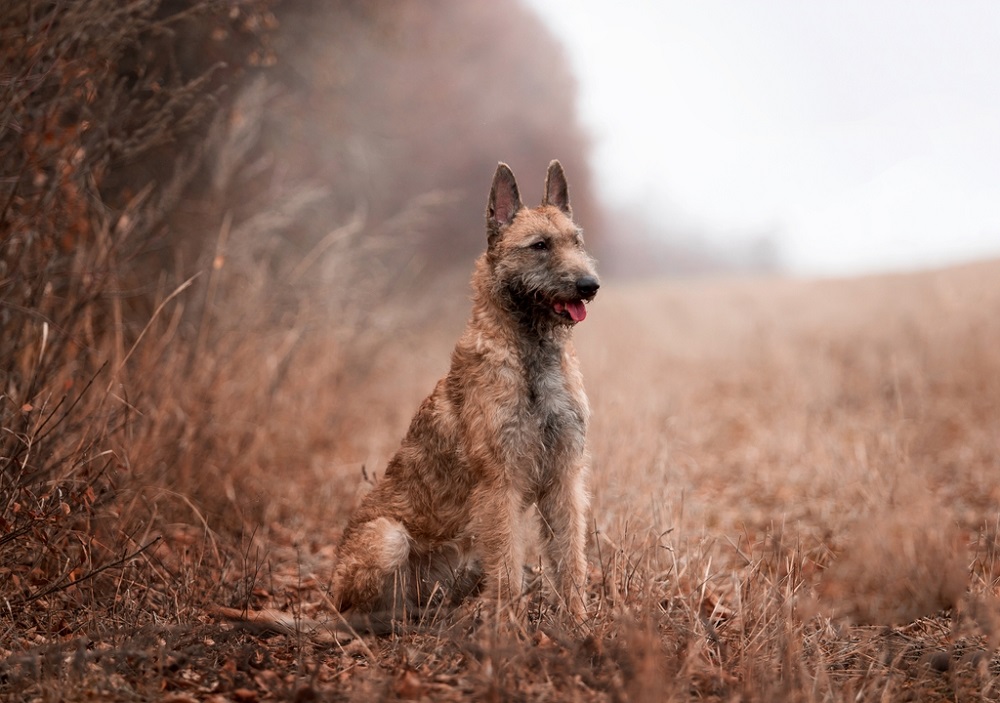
(370,561)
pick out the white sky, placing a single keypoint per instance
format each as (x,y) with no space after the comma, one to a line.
(866,133)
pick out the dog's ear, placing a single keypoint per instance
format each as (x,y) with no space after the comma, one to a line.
(556,190)
(504,202)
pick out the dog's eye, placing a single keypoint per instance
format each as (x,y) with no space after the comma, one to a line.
(540,245)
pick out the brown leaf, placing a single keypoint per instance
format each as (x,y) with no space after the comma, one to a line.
(542,641)
(244,695)
(408,685)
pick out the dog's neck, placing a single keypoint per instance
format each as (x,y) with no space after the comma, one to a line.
(502,314)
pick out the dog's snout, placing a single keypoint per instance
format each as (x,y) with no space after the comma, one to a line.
(587,286)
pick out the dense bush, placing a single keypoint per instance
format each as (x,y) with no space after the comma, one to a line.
(104,113)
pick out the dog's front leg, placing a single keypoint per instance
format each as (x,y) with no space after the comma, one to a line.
(563,510)
(496,510)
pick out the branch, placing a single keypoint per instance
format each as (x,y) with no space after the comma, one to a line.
(87,576)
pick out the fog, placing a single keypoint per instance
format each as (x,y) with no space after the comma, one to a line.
(856,136)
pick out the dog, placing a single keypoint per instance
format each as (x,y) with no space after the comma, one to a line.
(503,431)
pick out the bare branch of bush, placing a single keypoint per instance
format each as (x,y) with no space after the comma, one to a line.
(88,91)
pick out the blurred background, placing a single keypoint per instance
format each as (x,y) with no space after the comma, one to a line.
(820,139)
(700,138)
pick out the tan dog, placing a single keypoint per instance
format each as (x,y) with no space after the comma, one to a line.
(503,431)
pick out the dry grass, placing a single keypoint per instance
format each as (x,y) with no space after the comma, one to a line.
(794,500)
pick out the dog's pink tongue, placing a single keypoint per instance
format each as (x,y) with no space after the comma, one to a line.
(577,310)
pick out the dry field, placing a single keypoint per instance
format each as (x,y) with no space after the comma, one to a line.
(795,498)
(222,298)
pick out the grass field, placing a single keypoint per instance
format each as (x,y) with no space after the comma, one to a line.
(795,498)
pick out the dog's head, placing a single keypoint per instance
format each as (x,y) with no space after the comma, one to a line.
(537,255)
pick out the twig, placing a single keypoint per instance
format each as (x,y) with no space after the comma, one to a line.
(38,432)
(181,288)
(355,225)
(213,281)
(87,576)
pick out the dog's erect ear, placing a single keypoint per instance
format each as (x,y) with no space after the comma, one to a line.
(556,190)
(504,202)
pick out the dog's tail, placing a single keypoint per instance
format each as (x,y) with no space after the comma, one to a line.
(337,628)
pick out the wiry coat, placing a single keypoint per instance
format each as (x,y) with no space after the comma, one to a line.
(503,430)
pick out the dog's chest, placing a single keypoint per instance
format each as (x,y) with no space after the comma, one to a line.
(555,417)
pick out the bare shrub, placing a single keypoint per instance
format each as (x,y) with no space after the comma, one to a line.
(89,91)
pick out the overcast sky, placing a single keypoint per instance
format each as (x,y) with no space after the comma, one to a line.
(864,133)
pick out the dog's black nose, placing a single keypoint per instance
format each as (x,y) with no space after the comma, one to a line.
(586,286)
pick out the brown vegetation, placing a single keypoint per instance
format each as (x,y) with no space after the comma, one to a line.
(205,347)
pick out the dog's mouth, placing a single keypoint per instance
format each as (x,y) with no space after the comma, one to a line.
(571,310)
